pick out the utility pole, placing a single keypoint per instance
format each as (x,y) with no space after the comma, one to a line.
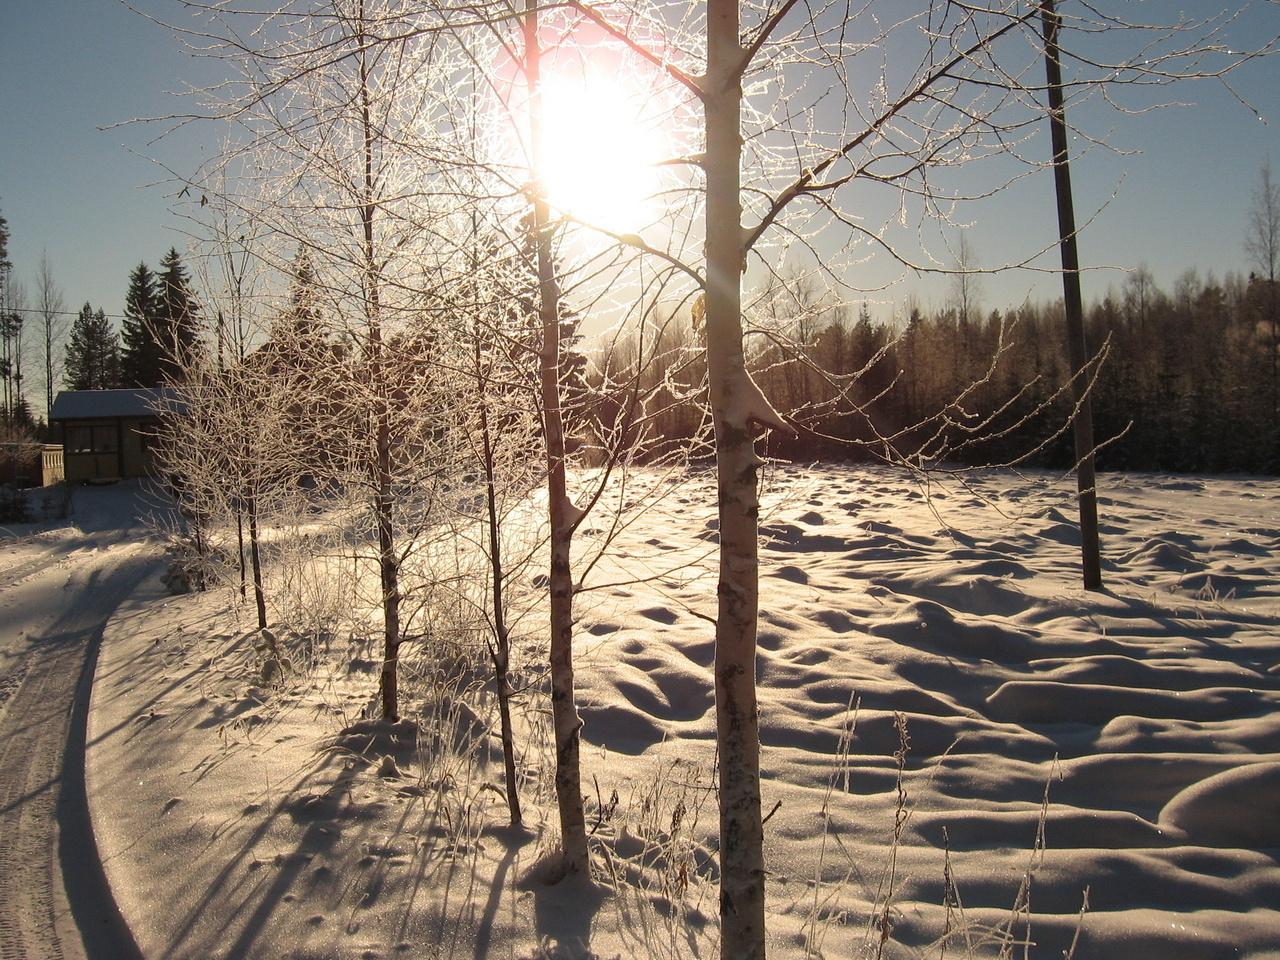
(1077,351)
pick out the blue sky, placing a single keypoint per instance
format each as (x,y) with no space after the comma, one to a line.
(83,194)
(67,68)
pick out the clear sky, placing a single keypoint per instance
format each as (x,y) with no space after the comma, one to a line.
(86,195)
(68,68)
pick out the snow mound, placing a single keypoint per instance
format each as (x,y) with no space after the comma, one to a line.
(1235,808)
(1161,554)
(377,738)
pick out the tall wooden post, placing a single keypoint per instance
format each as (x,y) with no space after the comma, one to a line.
(1077,352)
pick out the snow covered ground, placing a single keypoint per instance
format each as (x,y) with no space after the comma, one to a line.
(60,582)
(929,667)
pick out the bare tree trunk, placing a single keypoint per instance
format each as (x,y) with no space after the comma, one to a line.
(389,574)
(48,373)
(500,653)
(50,308)
(239,505)
(1077,351)
(202,550)
(240,547)
(565,720)
(384,500)
(259,596)
(17,364)
(742,929)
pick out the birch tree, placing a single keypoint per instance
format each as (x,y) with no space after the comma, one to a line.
(563,515)
(224,446)
(508,170)
(502,443)
(229,272)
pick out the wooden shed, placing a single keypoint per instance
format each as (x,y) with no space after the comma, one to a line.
(107,434)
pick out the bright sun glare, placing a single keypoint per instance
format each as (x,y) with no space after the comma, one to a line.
(607,122)
(601,148)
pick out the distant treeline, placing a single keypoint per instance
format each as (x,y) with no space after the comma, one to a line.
(1188,380)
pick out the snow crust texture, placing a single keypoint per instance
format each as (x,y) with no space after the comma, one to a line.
(1150,713)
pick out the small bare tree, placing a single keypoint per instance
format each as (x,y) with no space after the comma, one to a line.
(224,448)
(552,289)
(53,328)
(502,442)
(325,102)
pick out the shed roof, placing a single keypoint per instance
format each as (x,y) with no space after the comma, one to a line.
(98,404)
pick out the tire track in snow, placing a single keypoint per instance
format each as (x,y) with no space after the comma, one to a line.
(10,682)
(54,900)
(29,568)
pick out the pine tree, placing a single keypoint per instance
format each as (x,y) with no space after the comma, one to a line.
(93,352)
(574,389)
(10,359)
(176,330)
(301,356)
(141,353)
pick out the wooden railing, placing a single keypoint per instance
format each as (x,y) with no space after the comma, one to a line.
(51,465)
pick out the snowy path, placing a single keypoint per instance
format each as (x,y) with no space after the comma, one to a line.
(55,599)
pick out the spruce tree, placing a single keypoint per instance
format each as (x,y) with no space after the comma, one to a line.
(176,324)
(93,352)
(303,316)
(21,416)
(141,353)
(10,360)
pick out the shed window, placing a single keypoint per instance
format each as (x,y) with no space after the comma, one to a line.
(79,440)
(100,438)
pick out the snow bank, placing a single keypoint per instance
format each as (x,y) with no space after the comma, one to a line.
(241,826)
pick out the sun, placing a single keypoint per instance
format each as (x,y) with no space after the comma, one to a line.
(607,130)
(602,147)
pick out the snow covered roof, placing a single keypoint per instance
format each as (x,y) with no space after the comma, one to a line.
(91,404)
